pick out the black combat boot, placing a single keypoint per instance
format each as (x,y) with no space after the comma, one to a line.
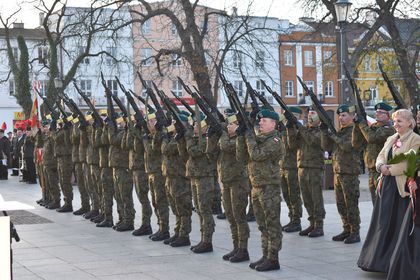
(170,239)
(92,213)
(161,236)
(221,216)
(240,256)
(80,211)
(181,242)
(250,217)
(227,256)
(117,224)
(286,225)
(293,227)
(125,226)
(66,208)
(39,201)
(154,234)
(142,230)
(268,265)
(53,205)
(204,247)
(306,231)
(99,218)
(217,208)
(317,232)
(196,245)
(105,223)
(352,238)
(341,237)
(45,202)
(254,264)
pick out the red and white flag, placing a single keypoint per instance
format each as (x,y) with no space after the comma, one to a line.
(34,111)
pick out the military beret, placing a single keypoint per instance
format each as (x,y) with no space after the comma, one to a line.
(345,108)
(229,111)
(383,106)
(184,113)
(45,122)
(268,114)
(103,112)
(232,118)
(183,117)
(295,110)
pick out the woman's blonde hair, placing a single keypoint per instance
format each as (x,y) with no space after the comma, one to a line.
(405,114)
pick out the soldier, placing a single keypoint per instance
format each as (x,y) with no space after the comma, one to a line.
(4,155)
(346,170)
(373,137)
(178,187)
(310,159)
(265,151)
(78,169)
(123,181)
(289,178)
(62,151)
(231,166)
(200,171)
(153,165)
(39,143)
(28,151)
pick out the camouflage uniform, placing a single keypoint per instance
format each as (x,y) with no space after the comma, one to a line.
(311,164)
(346,170)
(200,170)
(83,145)
(106,183)
(78,169)
(231,166)
(39,145)
(123,180)
(265,151)
(374,137)
(178,188)
(289,179)
(153,167)
(62,151)
(92,174)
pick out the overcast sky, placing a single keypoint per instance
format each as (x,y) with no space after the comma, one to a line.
(284,9)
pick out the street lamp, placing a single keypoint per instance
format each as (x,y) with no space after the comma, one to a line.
(58,83)
(342,9)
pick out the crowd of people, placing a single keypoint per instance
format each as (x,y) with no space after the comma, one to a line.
(178,167)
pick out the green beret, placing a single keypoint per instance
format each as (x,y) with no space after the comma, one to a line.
(201,117)
(229,111)
(295,110)
(45,122)
(268,114)
(345,108)
(184,113)
(383,106)
(183,117)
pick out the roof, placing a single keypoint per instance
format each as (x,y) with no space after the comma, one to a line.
(35,34)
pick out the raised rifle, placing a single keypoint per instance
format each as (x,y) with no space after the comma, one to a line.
(110,106)
(251,93)
(97,118)
(53,112)
(322,114)
(185,104)
(142,100)
(165,99)
(360,110)
(210,105)
(287,113)
(399,101)
(73,107)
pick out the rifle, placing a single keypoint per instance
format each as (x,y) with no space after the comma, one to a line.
(110,107)
(209,104)
(97,119)
(399,101)
(251,93)
(210,120)
(54,114)
(142,100)
(322,114)
(73,107)
(360,110)
(137,113)
(287,113)
(186,105)
(234,100)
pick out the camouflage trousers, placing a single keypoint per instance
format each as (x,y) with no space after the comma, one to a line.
(373,182)
(123,188)
(310,181)
(159,200)
(91,184)
(41,175)
(179,195)
(235,200)
(142,191)
(51,182)
(203,195)
(65,169)
(80,177)
(107,187)
(347,194)
(291,193)
(266,202)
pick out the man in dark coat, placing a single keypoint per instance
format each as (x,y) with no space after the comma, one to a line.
(4,155)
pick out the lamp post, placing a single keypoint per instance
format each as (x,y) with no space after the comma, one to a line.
(342,9)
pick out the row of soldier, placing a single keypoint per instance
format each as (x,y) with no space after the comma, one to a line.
(181,166)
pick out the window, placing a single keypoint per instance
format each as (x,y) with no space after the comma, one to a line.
(145,27)
(112,52)
(260,87)
(42,55)
(238,86)
(177,88)
(289,88)
(259,59)
(288,57)
(327,57)
(15,53)
(329,88)
(11,87)
(237,60)
(374,93)
(113,86)
(86,87)
(308,58)
(367,63)
(310,85)
(85,60)
(145,54)
(43,87)
(174,31)
(143,90)
(176,60)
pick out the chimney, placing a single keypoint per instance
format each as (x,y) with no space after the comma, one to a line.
(41,18)
(18,25)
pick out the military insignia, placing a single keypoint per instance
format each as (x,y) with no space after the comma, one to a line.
(70,118)
(88,117)
(75,120)
(119,120)
(60,121)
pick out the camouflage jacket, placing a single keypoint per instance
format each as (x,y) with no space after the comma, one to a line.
(308,140)
(289,157)
(173,163)
(62,142)
(345,157)
(134,143)
(231,166)
(153,153)
(264,151)
(201,160)
(83,144)
(75,140)
(374,137)
(92,155)
(118,157)
(102,142)
(46,142)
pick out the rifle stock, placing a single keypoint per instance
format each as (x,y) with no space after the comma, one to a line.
(360,110)
(109,104)
(97,118)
